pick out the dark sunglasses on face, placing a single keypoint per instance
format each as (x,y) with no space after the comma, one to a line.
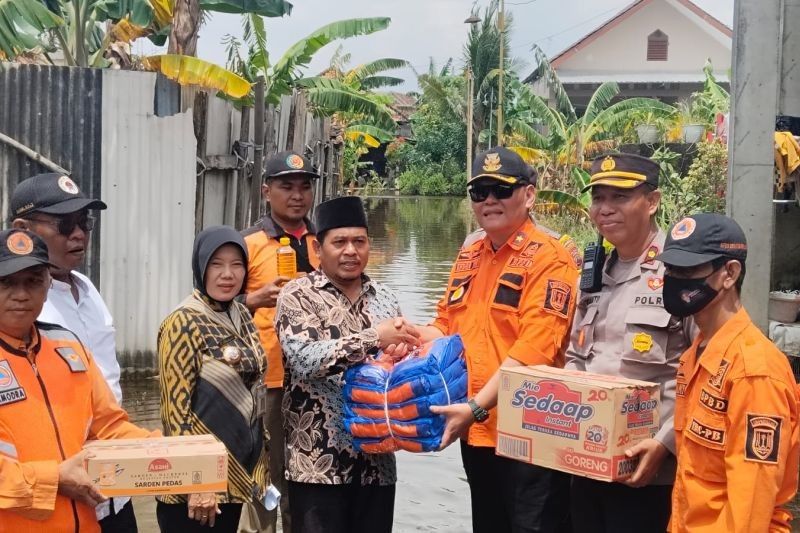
(66,225)
(501,191)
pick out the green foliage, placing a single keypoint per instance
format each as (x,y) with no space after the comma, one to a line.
(433,180)
(706,180)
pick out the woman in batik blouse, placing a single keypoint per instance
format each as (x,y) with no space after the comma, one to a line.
(211,364)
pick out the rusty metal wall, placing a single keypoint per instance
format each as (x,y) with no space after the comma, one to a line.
(54,111)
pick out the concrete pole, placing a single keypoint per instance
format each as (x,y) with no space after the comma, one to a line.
(501,23)
(755,90)
(470,107)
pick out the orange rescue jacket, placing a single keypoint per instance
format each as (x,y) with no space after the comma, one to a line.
(736,429)
(515,302)
(53,399)
(263,241)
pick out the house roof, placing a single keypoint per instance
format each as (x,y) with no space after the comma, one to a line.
(402,106)
(626,12)
(636,77)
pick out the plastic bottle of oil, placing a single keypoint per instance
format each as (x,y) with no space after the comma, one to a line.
(287,262)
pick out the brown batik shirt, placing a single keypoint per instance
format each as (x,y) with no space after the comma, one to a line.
(322,334)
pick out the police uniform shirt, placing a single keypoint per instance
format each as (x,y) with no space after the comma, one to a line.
(624,330)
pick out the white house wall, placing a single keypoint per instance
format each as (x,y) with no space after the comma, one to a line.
(148,182)
(623,48)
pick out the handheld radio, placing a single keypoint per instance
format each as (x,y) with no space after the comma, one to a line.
(594,258)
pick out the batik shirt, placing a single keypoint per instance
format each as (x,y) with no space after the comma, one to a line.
(322,333)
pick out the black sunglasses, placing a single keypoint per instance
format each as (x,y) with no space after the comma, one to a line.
(501,191)
(66,225)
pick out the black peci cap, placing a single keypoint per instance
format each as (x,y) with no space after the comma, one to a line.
(701,238)
(342,212)
(54,194)
(503,165)
(20,249)
(624,171)
(289,163)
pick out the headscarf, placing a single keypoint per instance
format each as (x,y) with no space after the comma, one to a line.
(206,244)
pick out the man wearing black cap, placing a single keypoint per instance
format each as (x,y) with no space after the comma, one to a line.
(622,329)
(511,296)
(52,400)
(289,191)
(54,207)
(328,321)
(736,413)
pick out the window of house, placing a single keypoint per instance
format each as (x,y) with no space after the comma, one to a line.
(657,46)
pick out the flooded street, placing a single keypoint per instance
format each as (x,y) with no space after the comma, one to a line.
(414,241)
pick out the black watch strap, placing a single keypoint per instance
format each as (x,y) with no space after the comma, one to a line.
(479,413)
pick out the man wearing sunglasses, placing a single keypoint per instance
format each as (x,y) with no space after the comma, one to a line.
(621,328)
(511,296)
(53,207)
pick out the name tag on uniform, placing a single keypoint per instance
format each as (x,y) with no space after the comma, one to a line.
(73,360)
(655,300)
(10,389)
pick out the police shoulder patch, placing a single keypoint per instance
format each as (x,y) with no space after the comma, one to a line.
(763,438)
(558,297)
(71,357)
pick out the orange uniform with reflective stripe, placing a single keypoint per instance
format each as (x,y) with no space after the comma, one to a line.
(51,403)
(262,247)
(737,437)
(515,302)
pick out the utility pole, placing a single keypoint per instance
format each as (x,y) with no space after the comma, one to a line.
(501,24)
(472,20)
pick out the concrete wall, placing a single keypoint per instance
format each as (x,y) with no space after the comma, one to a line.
(624,47)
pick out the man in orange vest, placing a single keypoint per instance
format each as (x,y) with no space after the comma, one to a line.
(511,297)
(736,409)
(289,190)
(53,399)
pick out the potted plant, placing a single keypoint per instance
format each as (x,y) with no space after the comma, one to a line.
(694,119)
(648,128)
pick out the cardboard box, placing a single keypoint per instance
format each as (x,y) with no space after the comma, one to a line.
(574,421)
(165,465)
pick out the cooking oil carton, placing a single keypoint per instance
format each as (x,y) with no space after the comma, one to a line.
(164,465)
(574,421)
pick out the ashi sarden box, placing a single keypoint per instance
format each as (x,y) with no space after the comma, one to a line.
(574,421)
(164,465)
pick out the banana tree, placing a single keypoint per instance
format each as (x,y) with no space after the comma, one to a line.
(250,57)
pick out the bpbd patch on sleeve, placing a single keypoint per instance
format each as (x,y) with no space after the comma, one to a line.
(763,438)
(558,297)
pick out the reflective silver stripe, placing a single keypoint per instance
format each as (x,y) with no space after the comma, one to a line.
(6,448)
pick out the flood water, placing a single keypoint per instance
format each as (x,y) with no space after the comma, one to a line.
(414,241)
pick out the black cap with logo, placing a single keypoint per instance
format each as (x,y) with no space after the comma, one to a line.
(54,194)
(503,165)
(20,249)
(701,238)
(624,171)
(286,163)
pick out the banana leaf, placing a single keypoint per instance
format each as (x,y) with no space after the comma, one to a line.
(193,71)
(265,8)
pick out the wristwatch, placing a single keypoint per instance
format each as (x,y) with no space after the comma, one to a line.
(479,413)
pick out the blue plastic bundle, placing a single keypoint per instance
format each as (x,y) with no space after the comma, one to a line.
(387,406)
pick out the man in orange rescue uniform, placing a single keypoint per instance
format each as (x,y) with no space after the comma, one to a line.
(53,399)
(511,297)
(289,190)
(736,412)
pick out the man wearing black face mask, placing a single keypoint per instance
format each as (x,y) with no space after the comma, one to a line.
(736,411)
(624,330)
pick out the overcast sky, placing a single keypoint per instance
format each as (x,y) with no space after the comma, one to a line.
(422,29)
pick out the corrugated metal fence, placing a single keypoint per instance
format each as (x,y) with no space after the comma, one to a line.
(54,111)
(165,166)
